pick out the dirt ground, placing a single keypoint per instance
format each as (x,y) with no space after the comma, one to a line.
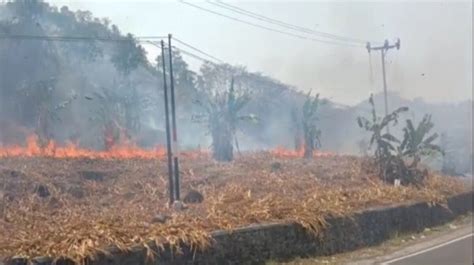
(74,207)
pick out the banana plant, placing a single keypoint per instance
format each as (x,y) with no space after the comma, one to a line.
(391,155)
(312,134)
(384,142)
(416,142)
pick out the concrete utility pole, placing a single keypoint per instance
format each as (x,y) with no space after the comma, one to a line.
(173,125)
(167,126)
(383,51)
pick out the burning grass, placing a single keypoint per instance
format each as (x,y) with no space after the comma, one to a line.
(53,207)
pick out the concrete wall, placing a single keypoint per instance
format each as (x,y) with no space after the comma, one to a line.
(259,243)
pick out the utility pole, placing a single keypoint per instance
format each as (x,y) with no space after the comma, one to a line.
(167,120)
(383,51)
(173,124)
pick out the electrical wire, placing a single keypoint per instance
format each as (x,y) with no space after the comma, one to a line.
(196,49)
(271,29)
(194,55)
(197,57)
(142,39)
(284,24)
(73,38)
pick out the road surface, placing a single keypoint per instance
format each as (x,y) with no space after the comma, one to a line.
(457,251)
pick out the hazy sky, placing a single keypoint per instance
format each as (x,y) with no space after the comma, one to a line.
(434,62)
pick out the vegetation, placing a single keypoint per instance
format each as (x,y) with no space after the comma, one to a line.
(297,129)
(416,142)
(397,159)
(222,112)
(448,166)
(244,192)
(109,90)
(384,142)
(113,116)
(312,134)
(38,76)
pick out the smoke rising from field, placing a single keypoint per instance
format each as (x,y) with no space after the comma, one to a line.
(433,64)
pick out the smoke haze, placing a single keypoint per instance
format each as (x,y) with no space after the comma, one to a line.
(103,91)
(434,62)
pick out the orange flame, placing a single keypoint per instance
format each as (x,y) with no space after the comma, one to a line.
(287,153)
(70,150)
(120,151)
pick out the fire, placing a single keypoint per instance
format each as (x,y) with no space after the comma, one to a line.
(125,150)
(287,153)
(71,150)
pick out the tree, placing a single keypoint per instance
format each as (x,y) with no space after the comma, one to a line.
(185,80)
(40,75)
(29,68)
(115,114)
(48,110)
(28,9)
(128,55)
(222,109)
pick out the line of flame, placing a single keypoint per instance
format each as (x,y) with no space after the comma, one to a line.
(124,151)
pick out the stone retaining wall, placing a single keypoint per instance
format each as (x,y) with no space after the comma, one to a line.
(259,243)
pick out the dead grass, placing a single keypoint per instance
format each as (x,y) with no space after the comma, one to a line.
(81,217)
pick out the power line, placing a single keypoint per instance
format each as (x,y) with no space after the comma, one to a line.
(269,29)
(196,49)
(197,57)
(141,39)
(150,37)
(74,38)
(284,24)
(194,56)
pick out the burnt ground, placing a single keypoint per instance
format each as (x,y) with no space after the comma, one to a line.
(73,207)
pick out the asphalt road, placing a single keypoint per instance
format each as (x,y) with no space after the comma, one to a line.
(457,251)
